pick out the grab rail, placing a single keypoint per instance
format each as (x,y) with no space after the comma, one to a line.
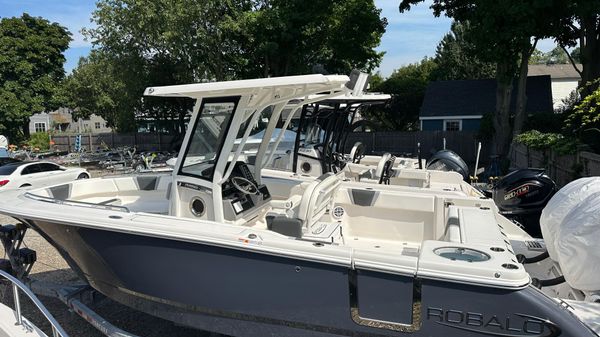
(18,286)
(76,203)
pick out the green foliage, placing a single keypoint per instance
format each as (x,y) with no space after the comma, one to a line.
(545,122)
(96,87)
(407,86)
(284,37)
(555,56)
(39,141)
(31,65)
(140,44)
(579,28)
(576,54)
(546,141)
(587,114)
(376,80)
(457,59)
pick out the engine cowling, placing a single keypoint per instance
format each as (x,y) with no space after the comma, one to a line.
(446,160)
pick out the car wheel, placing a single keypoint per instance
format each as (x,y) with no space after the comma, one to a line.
(83,176)
(139,167)
(25,185)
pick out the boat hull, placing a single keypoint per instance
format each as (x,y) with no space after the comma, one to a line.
(244,293)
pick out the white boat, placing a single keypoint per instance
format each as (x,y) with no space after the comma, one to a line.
(209,247)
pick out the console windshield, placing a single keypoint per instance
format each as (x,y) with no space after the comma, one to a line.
(207,138)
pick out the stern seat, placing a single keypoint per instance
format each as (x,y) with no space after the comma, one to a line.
(301,216)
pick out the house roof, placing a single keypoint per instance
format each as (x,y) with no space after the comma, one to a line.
(556,71)
(478,97)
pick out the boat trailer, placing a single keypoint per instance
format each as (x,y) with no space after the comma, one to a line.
(19,261)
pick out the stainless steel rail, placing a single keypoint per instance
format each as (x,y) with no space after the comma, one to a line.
(19,287)
(76,203)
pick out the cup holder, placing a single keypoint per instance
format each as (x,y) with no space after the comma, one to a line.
(461,254)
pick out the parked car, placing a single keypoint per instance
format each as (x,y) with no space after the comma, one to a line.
(36,174)
(8,160)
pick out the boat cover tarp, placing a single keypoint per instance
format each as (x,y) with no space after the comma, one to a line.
(560,205)
(577,245)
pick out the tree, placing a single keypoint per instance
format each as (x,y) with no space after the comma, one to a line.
(164,42)
(580,26)
(407,86)
(584,121)
(296,37)
(457,59)
(376,80)
(556,56)
(31,65)
(504,33)
(94,87)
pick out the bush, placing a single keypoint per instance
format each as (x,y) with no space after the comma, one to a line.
(39,140)
(543,141)
(584,121)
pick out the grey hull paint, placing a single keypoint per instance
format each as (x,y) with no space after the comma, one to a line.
(242,293)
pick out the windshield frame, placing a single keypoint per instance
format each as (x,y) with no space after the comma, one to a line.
(209,100)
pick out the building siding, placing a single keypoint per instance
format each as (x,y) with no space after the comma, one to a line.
(561,89)
(432,125)
(471,124)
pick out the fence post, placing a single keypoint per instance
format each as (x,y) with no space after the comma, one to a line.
(68,143)
(90,137)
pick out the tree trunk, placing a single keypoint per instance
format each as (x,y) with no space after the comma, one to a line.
(590,54)
(25,128)
(502,130)
(521,106)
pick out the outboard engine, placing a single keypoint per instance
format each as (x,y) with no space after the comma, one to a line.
(446,160)
(522,195)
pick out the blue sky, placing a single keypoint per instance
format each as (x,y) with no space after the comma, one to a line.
(409,36)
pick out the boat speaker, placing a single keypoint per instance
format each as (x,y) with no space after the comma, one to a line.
(197,207)
(306,167)
(338,212)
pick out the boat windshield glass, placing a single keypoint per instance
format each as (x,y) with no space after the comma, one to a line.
(256,126)
(207,137)
(280,157)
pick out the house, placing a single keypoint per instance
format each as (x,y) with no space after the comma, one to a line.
(565,79)
(460,105)
(61,120)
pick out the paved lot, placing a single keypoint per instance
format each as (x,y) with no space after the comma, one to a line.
(51,267)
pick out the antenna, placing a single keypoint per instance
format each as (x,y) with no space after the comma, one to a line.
(477,161)
(419,156)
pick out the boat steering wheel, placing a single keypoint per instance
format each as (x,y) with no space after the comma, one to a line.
(244,185)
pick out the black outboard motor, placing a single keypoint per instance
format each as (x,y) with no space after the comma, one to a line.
(446,160)
(522,195)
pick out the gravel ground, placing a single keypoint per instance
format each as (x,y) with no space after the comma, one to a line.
(51,267)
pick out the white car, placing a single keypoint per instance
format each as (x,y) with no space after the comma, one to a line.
(37,174)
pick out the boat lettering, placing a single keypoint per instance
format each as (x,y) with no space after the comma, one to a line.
(519,191)
(515,325)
